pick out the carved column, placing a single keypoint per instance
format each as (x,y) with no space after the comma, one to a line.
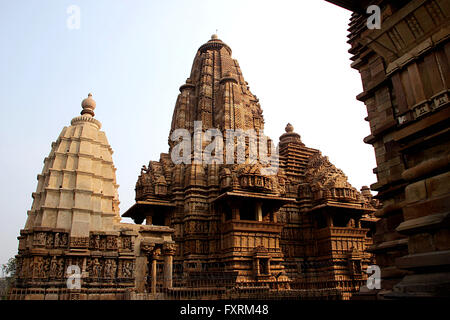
(169,251)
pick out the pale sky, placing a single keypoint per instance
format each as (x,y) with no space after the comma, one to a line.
(134,55)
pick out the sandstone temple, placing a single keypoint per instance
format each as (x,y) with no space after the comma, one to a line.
(219,230)
(201,230)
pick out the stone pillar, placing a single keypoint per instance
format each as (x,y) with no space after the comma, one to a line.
(154,275)
(257,267)
(168,262)
(235,213)
(259,211)
(167,220)
(155,254)
(149,220)
(329,220)
(83,269)
(169,251)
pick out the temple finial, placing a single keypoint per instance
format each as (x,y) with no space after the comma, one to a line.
(289,128)
(88,105)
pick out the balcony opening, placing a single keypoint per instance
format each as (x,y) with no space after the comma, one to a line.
(248,211)
(321,222)
(228,212)
(340,221)
(158,220)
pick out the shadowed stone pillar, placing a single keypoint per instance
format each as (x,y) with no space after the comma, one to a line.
(329,221)
(235,213)
(274,217)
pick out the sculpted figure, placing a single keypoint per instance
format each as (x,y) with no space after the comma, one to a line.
(110,268)
(49,240)
(102,243)
(60,271)
(107,269)
(57,240)
(112,243)
(53,268)
(126,243)
(46,267)
(64,239)
(97,242)
(127,269)
(39,267)
(96,268)
(40,238)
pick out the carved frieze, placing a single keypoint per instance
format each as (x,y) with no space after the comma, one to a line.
(79,242)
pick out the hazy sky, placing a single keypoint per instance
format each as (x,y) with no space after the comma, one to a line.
(133,56)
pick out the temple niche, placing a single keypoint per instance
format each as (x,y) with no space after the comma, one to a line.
(302,230)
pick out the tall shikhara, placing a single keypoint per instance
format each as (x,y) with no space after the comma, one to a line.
(303,228)
(216,93)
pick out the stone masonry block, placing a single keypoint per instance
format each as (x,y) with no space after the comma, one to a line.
(415,191)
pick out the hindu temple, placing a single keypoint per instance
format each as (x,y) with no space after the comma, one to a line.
(222,222)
